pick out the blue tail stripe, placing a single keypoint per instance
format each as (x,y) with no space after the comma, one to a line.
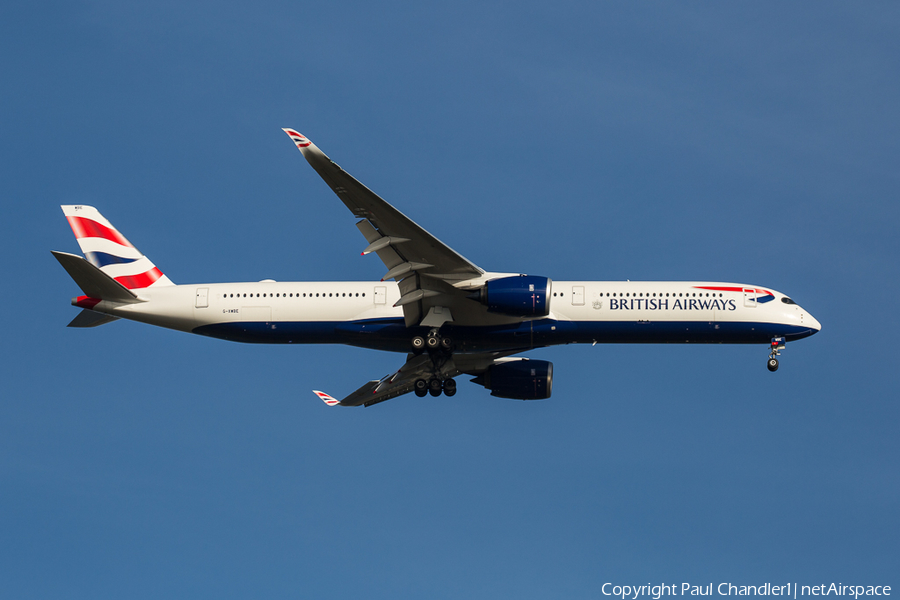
(101,259)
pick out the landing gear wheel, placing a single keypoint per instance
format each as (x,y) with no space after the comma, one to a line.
(434,387)
(421,388)
(446,343)
(418,343)
(449,387)
(777,344)
(433,342)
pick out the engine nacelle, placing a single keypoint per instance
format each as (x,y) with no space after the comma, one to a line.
(518,296)
(521,379)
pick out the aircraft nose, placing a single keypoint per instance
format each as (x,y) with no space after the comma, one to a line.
(813,323)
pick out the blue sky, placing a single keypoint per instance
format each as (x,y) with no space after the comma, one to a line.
(710,141)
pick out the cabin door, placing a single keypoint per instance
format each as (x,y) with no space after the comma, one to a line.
(578,295)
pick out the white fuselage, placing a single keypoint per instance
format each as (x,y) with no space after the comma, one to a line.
(580,311)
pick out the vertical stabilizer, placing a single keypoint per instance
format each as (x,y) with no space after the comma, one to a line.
(108,250)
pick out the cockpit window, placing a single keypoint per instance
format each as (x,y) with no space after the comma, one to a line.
(787,300)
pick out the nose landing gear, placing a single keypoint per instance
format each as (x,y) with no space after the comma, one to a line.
(777,344)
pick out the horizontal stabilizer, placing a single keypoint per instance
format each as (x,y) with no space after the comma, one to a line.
(92,281)
(89,318)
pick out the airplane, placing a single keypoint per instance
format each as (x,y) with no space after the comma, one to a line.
(447,315)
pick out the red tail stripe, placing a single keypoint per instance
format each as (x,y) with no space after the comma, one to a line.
(133,282)
(85,228)
(87,302)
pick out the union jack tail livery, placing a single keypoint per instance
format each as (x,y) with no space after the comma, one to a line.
(108,250)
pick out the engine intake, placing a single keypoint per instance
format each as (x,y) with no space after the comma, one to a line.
(522,379)
(519,296)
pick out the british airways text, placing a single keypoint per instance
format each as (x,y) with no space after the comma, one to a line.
(663,304)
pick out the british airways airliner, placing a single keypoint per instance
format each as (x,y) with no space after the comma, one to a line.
(447,315)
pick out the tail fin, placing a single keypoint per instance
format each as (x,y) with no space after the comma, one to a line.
(108,250)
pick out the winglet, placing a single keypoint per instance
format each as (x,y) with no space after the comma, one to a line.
(298,138)
(326,398)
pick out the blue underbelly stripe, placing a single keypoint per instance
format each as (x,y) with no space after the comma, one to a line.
(392,334)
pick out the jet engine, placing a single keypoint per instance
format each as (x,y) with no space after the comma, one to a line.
(521,379)
(518,296)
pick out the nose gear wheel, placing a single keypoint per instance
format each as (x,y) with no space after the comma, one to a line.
(776,345)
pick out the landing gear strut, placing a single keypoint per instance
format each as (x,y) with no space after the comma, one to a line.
(777,344)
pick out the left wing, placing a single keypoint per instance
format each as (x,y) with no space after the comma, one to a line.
(424,267)
(390,386)
(417,366)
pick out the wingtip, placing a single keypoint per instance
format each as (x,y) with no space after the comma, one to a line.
(326,398)
(299,139)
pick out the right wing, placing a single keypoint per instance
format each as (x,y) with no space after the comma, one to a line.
(407,250)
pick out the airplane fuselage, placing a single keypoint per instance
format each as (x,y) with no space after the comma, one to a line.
(363,314)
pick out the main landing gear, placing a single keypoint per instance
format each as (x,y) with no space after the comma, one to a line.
(434,387)
(777,344)
(434,341)
(439,349)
